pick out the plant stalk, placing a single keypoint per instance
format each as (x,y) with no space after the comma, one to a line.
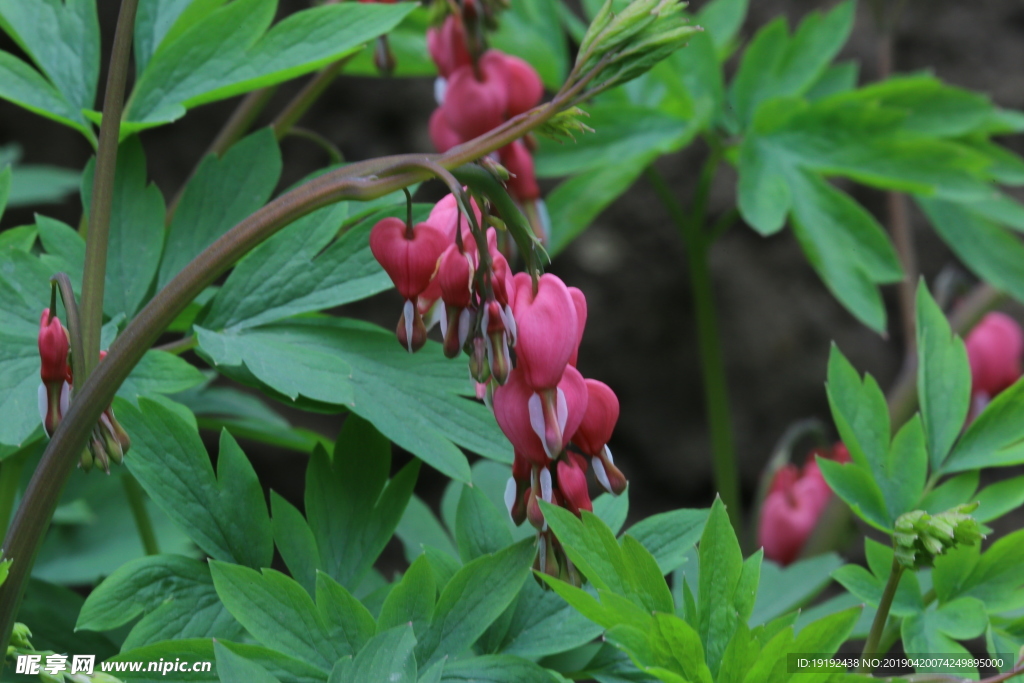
(137,502)
(716,393)
(309,94)
(359,181)
(95,272)
(881,616)
(10,477)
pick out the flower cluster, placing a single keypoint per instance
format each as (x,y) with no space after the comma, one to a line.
(795,501)
(522,334)
(477,94)
(108,440)
(994,349)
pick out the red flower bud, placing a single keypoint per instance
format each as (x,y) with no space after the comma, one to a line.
(53,349)
(522,183)
(994,350)
(455,273)
(572,482)
(599,420)
(524,86)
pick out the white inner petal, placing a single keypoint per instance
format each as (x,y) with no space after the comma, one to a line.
(440,87)
(440,314)
(608,454)
(537,419)
(408,312)
(465,318)
(65,398)
(545,485)
(510,495)
(562,412)
(601,474)
(42,401)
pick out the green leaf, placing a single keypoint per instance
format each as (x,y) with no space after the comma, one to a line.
(136,230)
(868,585)
(278,664)
(160,372)
(592,547)
(994,578)
(301,269)
(613,510)
(951,493)
(999,499)
(175,594)
(49,612)
(295,542)
(231,52)
(277,612)
(232,668)
(620,131)
(23,86)
(531,29)
(351,506)
(387,658)
(647,576)
(938,628)
(157,20)
(932,107)
(414,400)
(220,194)
(577,201)
(496,669)
(990,251)
(721,565)
(63,39)
(943,378)
(543,624)
(412,599)
(784,589)
(226,515)
(722,19)
(481,527)
(827,634)
(420,527)
(350,626)
(476,596)
(845,245)
(994,438)
(776,65)
(40,184)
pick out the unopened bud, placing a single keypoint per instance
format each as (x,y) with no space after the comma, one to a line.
(452,338)
(533,511)
(479,368)
(608,475)
(494,167)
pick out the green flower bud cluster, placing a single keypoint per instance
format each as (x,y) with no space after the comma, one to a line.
(920,537)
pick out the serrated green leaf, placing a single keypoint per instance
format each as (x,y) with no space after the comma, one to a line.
(420,527)
(220,194)
(531,30)
(25,87)
(950,493)
(157,20)
(496,669)
(543,624)
(350,626)
(40,184)
(414,400)
(351,506)
(231,52)
(722,19)
(999,499)
(937,629)
(226,514)
(994,438)
(387,658)
(943,378)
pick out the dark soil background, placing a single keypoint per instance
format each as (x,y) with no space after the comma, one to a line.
(777,319)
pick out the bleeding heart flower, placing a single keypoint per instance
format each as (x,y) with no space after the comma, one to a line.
(522,182)
(447,46)
(547,330)
(447,218)
(408,256)
(788,518)
(599,421)
(53,348)
(442,134)
(580,301)
(539,424)
(476,100)
(994,350)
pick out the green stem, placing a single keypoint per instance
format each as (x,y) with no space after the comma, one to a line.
(320,141)
(881,616)
(103,192)
(179,346)
(360,181)
(137,501)
(10,477)
(716,394)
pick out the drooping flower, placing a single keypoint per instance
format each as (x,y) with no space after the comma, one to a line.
(540,423)
(447,46)
(523,84)
(595,431)
(522,182)
(54,370)
(572,482)
(547,331)
(476,98)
